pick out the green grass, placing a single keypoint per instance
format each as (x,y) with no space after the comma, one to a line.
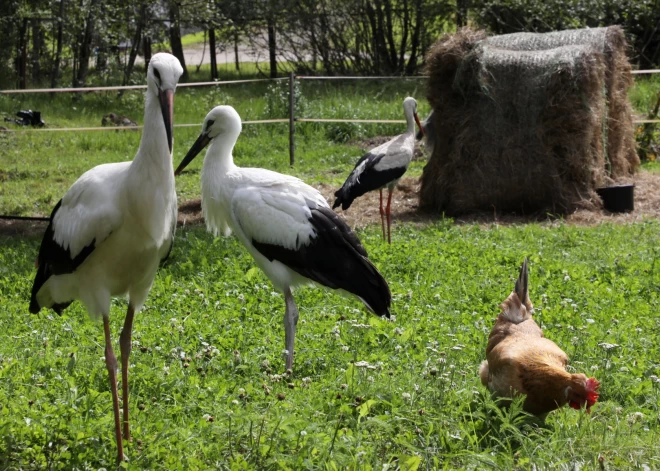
(36,169)
(186,40)
(653,167)
(420,407)
(193,38)
(645,93)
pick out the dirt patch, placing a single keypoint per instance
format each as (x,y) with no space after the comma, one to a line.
(647,204)
(190,212)
(405,208)
(14,227)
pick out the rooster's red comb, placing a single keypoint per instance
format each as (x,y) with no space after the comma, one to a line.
(592,391)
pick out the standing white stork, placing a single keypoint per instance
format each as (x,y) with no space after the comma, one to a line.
(286,225)
(116,223)
(382,167)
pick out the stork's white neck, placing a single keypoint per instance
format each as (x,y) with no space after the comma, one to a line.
(153,150)
(410,120)
(220,153)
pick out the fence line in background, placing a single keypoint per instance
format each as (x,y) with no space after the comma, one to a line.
(134,128)
(367,77)
(259,121)
(130,87)
(291,119)
(337,120)
(230,82)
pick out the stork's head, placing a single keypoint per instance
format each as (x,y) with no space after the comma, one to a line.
(162,77)
(410,109)
(222,122)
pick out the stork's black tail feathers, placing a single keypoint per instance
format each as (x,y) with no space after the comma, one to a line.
(335,258)
(39,280)
(53,259)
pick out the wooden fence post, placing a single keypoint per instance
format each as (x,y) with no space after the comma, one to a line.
(292,119)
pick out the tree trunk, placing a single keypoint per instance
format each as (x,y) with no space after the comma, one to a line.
(175,37)
(214,64)
(58,54)
(102,58)
(146,46)
(135,45)
(390,36)
(461,13)
(36,51)
(415,39)
(86,45)
(237,60)
(374,37)
(272,47)
(404,36)
(22,54)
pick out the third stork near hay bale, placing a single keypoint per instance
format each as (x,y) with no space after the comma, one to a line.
(382,167)
(527,122)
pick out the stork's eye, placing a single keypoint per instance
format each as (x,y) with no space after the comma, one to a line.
(209,123)
(157,75)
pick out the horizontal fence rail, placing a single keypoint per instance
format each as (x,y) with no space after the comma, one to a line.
(258,121)
(366,77)
(130,87)
(230,82)
(647,71)
(133,128)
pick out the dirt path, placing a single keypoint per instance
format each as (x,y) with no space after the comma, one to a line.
(405,208)
(365,210)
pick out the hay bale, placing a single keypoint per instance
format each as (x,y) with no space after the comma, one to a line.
(611,43)
(522,124)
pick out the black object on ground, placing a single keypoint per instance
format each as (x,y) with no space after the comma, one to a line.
(28,118)
(618,198)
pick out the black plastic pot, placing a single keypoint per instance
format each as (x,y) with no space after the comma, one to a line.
(618,198)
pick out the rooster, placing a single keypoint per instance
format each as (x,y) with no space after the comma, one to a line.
(519,360)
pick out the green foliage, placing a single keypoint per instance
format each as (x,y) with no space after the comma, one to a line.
(647,135)
(343,132)
(278,101)
(367,393)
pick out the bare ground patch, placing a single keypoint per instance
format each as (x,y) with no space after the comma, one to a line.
(405,208)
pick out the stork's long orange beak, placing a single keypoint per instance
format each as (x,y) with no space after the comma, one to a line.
(419,124)
(166,99)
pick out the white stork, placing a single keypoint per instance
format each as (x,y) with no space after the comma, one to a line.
(286,225)
(382,167)
(116,223)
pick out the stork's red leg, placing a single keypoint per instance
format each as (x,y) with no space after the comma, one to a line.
(125,346)
(111,364)
(382,213)
(389,216)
